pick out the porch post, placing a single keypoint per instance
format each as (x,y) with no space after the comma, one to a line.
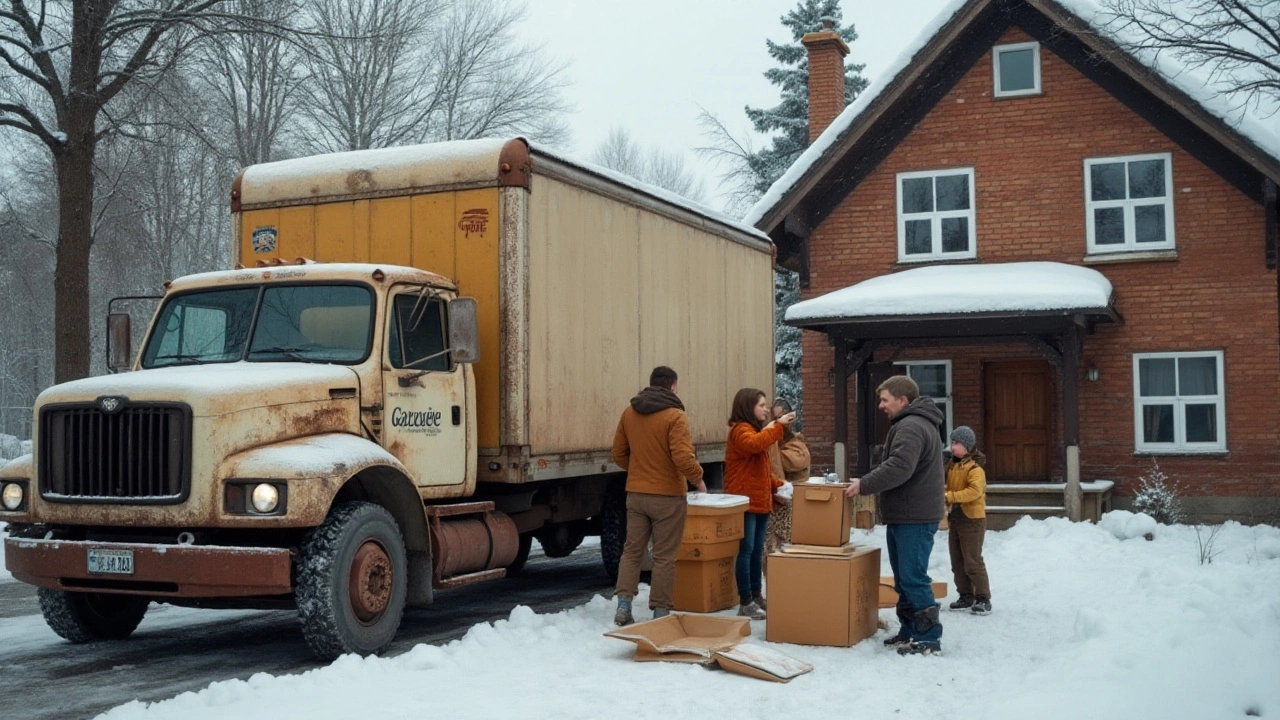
(840,446)
(1071,350)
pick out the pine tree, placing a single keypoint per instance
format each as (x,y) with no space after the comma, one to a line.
(790,117)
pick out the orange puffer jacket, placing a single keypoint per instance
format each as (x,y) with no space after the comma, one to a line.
(746,465)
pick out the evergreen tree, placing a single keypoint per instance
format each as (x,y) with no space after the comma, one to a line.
(790,117)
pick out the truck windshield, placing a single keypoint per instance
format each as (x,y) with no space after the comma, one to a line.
(265,323)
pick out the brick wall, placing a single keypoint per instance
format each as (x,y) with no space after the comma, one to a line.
(1027,154)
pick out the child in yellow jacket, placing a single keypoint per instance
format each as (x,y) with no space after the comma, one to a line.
(966,495)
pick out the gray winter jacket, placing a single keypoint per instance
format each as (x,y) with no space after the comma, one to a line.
(911,480)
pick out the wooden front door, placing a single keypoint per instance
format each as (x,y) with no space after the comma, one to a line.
(1018,433)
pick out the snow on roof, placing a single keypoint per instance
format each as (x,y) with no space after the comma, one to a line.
(1255,122)
(952,289)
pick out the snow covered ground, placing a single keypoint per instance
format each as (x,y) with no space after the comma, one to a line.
(1089,622)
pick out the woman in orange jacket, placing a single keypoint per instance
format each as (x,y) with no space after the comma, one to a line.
(746,472)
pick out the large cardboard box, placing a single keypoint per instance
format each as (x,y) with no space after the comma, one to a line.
(821,514)
(714,518)
(706,585)
(684,638)
(889,596)
(822,599)
(708,551)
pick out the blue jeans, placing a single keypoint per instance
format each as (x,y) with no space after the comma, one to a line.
(909,548)
(749,568)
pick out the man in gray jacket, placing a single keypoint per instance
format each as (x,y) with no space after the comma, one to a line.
(911,483)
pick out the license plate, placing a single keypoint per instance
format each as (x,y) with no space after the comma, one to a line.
(112,562)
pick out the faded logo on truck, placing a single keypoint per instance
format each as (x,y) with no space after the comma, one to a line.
(426,421)
(475,220)
(264,239)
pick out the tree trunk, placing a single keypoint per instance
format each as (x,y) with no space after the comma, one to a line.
(75,239)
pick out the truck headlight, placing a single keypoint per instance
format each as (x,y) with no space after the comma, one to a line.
(265,497)
(12,495)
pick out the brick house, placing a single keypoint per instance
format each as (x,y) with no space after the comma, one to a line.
(1018,133)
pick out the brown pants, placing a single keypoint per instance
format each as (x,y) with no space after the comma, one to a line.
(662,518)
(965,539)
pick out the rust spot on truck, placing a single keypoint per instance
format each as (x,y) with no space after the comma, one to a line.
(360,181)
(326,418)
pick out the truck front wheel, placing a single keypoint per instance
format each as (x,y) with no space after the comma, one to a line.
(351,581)
(85,617)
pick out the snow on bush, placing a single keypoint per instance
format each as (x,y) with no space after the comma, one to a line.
(11,447)
(1157,496)
(1126,525)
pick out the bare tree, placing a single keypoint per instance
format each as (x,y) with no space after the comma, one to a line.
(740,168)
(1237,42)
(664,169)
(69,63)
(254,78)
(487,83)
(369,78)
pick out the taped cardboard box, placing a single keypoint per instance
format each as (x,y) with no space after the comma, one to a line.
(706,585)
(822,599)
(821,514)
(679,637)
(889,596)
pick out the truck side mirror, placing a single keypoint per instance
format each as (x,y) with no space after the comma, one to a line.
(464,330)
(119,342)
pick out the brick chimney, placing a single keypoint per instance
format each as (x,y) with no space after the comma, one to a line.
(827,51)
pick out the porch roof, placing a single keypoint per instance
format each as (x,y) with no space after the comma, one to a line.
(962,300)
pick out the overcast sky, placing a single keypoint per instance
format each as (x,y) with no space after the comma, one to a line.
(649,65)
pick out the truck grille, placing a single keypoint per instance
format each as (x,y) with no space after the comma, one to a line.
(140,453)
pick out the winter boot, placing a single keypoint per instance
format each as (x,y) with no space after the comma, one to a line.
(758,599)
(660,613)
(623,616)
(981,606)
(921,647)
(904,634)
(964,603)
(751,610)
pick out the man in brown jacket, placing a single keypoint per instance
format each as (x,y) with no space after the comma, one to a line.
(654,446)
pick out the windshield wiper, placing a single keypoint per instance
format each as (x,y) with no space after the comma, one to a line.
(182,357)
(293,353)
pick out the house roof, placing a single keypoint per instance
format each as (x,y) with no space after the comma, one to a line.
(930,62)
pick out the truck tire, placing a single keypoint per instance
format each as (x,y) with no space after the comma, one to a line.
(561,539)
(86,617)
(352,578)
(613,526)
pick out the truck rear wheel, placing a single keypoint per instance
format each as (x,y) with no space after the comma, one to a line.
(522,555)
(613,526)
(561,539)
(85,617)
(351,581)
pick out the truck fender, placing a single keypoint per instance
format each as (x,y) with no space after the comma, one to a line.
(19,467)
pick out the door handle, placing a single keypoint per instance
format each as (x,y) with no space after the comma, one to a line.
(457,414)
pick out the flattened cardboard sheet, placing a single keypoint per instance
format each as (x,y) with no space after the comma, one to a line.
(679,637)
(762,662)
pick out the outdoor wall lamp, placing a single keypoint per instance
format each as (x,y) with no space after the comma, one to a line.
(1092,374)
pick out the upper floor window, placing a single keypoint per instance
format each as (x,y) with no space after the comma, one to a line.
(1129,203)
(935,215)
(1017,69)
(1179,404)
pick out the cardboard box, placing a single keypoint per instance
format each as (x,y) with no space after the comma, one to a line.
(708,551)
(706,585)
(714,523)
(821,514)
(761,662)
(889,596)
(843,550)
(684,638)
(822,599)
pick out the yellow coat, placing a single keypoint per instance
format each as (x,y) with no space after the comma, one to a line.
(967,485)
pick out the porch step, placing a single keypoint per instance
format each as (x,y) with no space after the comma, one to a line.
(1003,517)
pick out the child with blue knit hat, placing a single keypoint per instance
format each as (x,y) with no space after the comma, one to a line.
(966,497)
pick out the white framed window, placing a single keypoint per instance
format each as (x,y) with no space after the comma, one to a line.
(1129,203)
(1017,69)
(934,379)
(935,215)
(1179,402)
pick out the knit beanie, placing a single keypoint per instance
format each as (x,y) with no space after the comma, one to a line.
(964,435)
